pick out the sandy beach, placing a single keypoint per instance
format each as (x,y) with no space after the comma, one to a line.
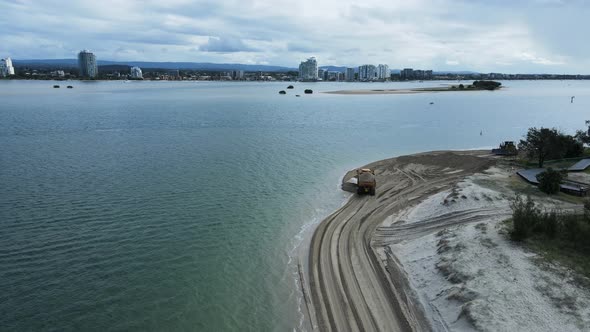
(427,253)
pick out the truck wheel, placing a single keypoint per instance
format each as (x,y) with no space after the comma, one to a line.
(372,192)
(359,190)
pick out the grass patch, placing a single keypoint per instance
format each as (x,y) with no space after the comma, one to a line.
(554,251)
(558,163)
(562,252)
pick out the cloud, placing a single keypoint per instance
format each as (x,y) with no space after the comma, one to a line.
(225,45)
(300,47)
(539,60)
(438,34)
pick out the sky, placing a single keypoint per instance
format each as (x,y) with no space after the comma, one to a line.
(509,36)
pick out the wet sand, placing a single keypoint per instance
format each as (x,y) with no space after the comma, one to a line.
(349,286)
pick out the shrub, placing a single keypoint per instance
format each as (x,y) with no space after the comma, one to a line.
(524,217)
(549,181)
(549,223)
(572,230)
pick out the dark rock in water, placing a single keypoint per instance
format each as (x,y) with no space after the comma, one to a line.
(70,87)
(297,96)
(290,87)
(56,86)
(282,92)
(431,103)
(308,91)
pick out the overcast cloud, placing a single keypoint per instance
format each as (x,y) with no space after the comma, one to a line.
(542,36)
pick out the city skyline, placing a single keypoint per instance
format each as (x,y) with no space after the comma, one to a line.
(535,36)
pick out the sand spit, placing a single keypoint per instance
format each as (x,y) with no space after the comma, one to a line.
(352,287)
(465,272)
(430,252)
(396,91)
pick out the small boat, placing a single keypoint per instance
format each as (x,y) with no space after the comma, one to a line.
(290,87)
(70,87)
(308,91)
(282,92)
(431,103)
(297,95)
(56,86)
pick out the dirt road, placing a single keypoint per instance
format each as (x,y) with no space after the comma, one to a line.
(350,287)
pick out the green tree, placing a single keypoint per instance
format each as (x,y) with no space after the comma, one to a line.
(540,143)
(550,180)
(583,136)
(570,146)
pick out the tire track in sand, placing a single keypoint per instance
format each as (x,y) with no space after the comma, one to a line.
(351,288)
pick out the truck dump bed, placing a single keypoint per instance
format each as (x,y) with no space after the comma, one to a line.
(366,178)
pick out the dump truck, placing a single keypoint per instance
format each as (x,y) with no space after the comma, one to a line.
(366,181)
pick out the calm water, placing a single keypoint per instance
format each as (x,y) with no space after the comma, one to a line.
(182,206)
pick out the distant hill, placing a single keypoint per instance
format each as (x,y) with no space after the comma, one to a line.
(455,72)
(72,63)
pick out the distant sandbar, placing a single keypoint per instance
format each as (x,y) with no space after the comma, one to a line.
(398,91)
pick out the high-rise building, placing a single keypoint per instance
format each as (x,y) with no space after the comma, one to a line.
(136,73)
(321,74)
(407,74)
(333,76)
(87,64)
(308,70)
(349,75)
(419,74)
(6,68)
(383,72)
(237,74)
(367,73)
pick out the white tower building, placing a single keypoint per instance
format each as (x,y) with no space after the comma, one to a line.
(308,70)
(383,72)
(136,73)
(6,68)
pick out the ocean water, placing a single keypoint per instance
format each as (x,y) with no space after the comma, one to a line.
(185,205)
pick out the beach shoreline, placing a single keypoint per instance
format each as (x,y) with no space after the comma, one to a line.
(430,252)
(347,285)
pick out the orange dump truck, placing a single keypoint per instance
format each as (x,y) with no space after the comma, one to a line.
(366,181)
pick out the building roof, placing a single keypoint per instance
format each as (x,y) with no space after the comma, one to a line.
(580,165)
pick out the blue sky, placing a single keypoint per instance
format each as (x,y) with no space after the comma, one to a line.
(541,36)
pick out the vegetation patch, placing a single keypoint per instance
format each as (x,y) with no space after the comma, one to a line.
(558,236)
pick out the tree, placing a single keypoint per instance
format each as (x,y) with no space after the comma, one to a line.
(545,144)
(488,85)
(570,146)
(549,181)
(584,136)
(540,143)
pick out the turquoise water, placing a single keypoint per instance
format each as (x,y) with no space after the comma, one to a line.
(182,205)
